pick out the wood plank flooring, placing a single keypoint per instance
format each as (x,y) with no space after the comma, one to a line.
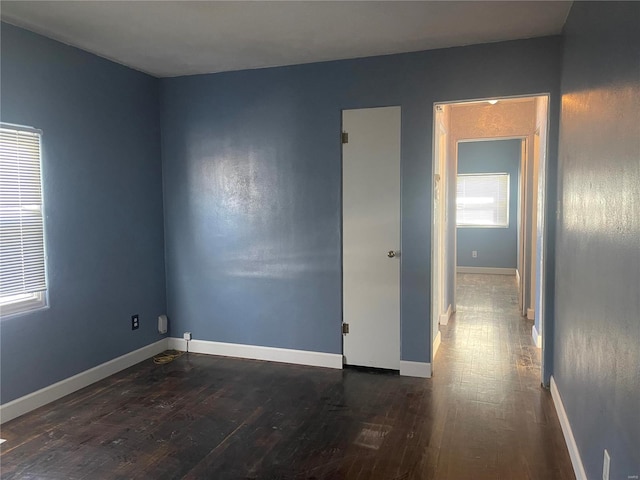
(482,416)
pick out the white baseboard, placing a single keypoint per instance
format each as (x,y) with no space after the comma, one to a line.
(254,352)
(537,338)
(574,453)
(436,344)
(37,399)
(415,369)
(487,270)
(444,318)
(531,314)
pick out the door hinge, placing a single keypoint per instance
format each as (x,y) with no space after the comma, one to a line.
(345,328)
(345,137)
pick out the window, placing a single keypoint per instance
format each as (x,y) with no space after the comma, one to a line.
(22,259)
(483,200)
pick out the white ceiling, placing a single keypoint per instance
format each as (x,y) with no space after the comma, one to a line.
(171,38)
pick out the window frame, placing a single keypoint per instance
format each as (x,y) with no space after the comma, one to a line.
(507,202)
(29,302)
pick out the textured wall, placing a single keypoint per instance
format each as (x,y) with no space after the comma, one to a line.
(482,120)
(252,186)
(496,247)
(597,326)
(102,184)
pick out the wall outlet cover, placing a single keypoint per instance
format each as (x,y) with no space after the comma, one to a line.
(135,322)
(162,324)
(187,336)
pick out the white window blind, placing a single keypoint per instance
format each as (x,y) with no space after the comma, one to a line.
(22,259)
(483,200)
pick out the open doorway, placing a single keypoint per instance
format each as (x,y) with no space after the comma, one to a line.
(460,127)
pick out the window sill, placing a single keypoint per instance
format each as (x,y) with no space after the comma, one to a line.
(483,226)
(31,303)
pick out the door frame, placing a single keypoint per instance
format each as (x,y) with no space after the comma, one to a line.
(521,207)
(541,219)
(439,247)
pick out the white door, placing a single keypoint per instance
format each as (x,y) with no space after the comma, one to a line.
(371,237)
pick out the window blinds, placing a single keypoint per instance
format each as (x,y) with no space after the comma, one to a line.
(22,266)
(483,200)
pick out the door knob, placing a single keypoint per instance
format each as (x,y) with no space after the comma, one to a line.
(391,254)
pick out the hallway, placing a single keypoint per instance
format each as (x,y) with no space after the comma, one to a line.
(499,420)
(482,416)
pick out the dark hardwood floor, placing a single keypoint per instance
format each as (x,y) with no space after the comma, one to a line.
(482,416)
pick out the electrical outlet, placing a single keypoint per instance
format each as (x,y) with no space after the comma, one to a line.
(474,253)
(605,465)
(187,336)
(135,322)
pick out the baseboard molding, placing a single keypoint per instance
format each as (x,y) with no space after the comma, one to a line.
(574,453)
(531,314)
(415,369)
(436,344)
(444,318)
(537,338)
(254,352)
(487,270)
(37,399)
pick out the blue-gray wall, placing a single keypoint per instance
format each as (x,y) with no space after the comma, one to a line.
(103,205)
(597,326)
(252,178)
(496,247)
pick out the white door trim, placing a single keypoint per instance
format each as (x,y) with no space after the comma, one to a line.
(541,213)
(439,250)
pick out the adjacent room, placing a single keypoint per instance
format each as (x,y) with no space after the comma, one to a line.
(319,240)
